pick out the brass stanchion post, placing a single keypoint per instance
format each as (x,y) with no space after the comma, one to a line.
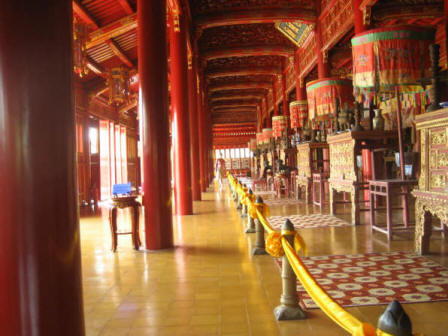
(259,234)
(289,308)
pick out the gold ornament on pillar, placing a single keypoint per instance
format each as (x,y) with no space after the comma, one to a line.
(80,39)
(118,81)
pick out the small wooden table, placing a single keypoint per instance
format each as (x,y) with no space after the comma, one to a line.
(390,188)
(121,203)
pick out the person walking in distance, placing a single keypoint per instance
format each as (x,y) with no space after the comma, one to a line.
(220,169)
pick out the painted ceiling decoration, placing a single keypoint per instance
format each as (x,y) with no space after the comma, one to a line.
(296,32)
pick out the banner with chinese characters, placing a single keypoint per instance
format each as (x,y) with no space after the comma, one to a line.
(322,95)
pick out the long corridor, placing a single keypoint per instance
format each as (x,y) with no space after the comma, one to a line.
(210,284)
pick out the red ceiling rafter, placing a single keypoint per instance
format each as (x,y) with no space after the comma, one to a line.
(261,50)
(244,72)
(112,30)
(240,86)
(255,16)
(251,97)
(126,7)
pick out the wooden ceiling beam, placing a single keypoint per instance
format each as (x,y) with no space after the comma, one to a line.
(237,97)
(245,72)
(119,53)
(126,7)
(218,107)
(112,30)
(79,10)
(256,16)
(261,50)
(240,86)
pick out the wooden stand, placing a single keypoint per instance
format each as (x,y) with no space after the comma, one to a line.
(344,177)
(121,203)
(310,160)
(389,189)
(432,193)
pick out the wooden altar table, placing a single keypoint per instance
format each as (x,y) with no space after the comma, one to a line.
(312,157)
(344,176)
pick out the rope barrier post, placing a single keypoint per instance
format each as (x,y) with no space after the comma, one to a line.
(395,321)
(240,196)
(289,308)
(259,248)
(250,228)
(245,205)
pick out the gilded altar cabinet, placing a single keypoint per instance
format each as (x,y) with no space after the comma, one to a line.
(344,177)
(310,160)
(432,192)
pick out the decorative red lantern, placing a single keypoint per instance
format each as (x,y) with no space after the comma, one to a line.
(267,135)
(80,39)
(298,111)
(119,86)
(322,94)
(279,125)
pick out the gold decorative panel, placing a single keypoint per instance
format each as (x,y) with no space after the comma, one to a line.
(342,163)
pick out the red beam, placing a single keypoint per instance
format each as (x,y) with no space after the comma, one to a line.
(112,30)
(256,16)
(261,50)
(79,10)
(245,72)
(240,86)
(127,8)
(119,53)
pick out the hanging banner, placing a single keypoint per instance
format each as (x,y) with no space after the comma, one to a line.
(386,57)
(267,135)
(322,94)
(298,112)
(279,125)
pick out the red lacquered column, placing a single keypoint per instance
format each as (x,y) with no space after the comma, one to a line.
(181,125)
(40,259)
(357,13)
(274,96)
(323,70)
(194,150)
(284,98)
(201,139)
(155,123)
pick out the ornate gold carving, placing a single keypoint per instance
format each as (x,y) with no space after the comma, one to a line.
(422,179)
(303,161)
(437,181)
(342,161)
(442,159)
(367,15)
(438,138)
(433,159)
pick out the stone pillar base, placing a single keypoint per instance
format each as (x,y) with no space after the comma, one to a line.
(287,313)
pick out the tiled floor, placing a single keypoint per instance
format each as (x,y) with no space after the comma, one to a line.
(209,284)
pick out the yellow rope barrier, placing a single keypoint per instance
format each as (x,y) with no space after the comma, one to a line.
(277,246)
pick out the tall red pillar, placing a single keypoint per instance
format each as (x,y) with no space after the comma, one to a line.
(202,136)
(323,70)
(274,96)
(153,79)
(284,98)
(357,13)
(181,125)
(194,140)
(40,259)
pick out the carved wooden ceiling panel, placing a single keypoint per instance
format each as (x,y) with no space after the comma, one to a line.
(242,36)
(231,63)
(201,7)
(239,79)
